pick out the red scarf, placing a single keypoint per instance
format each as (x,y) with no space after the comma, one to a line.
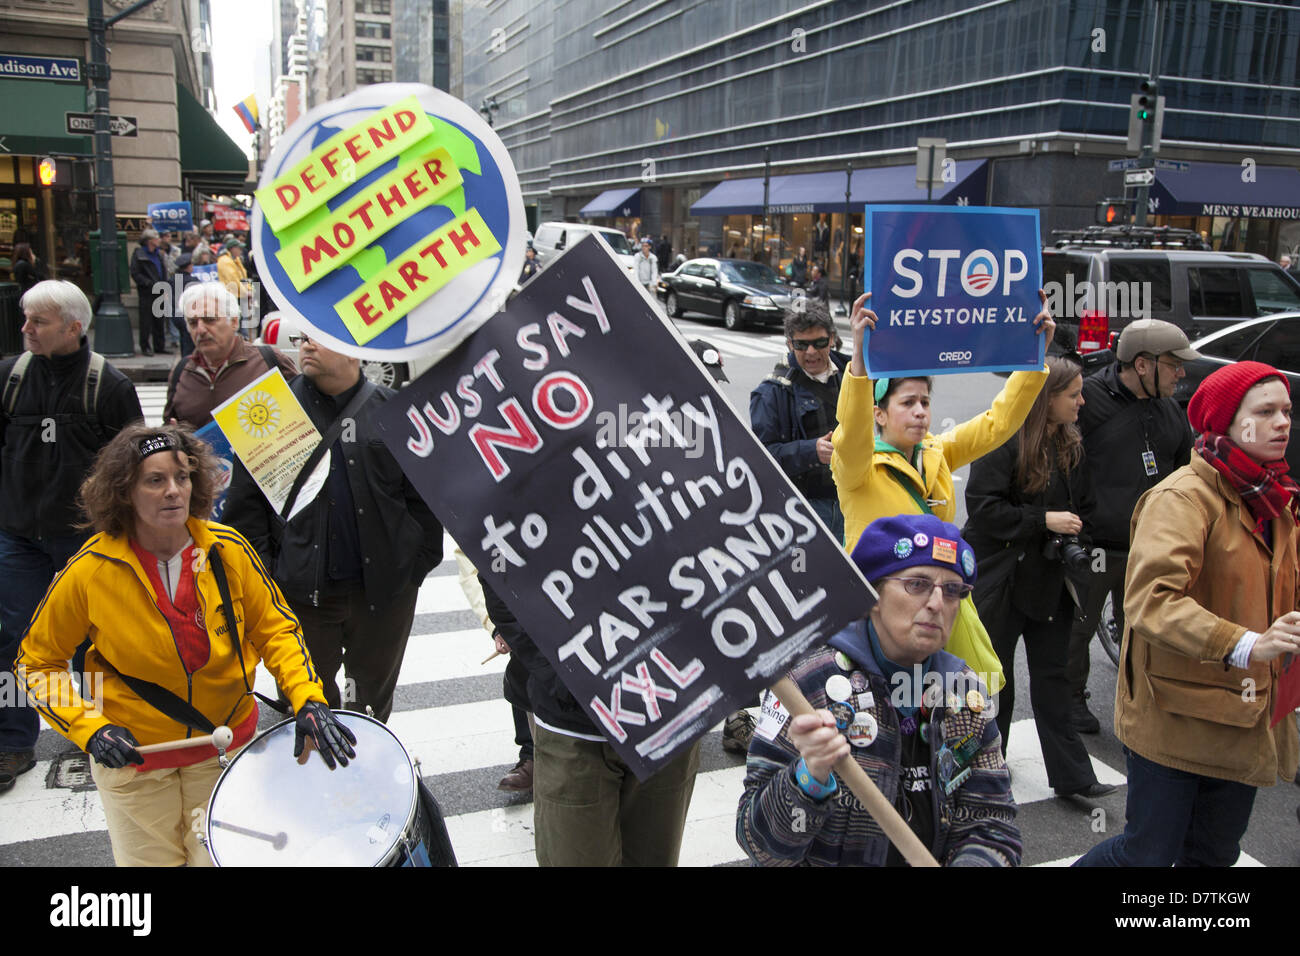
(1265,488)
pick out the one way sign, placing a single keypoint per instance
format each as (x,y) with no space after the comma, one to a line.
(83,124)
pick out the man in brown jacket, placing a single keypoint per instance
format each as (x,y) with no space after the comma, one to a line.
(222,363)
(1210,599)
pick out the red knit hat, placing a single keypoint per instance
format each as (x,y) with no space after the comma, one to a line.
(1215,403)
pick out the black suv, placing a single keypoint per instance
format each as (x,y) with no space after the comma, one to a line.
(1100,279)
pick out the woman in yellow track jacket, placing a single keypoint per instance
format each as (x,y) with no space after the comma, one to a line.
(145,594)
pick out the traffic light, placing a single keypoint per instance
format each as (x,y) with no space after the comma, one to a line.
(1146,111)
(54,173)
(1112,212)
(1146,102)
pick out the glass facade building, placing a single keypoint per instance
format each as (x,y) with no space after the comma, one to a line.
(675,97)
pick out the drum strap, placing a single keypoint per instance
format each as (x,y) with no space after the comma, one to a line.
(219,572)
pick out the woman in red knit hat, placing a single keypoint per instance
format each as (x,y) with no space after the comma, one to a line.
(1211,598)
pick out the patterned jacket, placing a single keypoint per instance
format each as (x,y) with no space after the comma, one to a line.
(779,825)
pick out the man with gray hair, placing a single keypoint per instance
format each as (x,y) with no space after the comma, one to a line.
(149,270)
(222,363)
(61,403)
(793,410)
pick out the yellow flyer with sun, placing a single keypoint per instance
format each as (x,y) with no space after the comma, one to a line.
(271,433)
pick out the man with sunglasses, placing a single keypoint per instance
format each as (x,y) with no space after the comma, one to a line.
(917,719)
(1134,436)
(222,363)
(792,411)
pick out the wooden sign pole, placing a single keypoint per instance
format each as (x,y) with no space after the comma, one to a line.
(862,786)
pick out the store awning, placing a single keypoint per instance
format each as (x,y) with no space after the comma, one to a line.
(824,192)
(614,202)
(1226,189)
(210,160)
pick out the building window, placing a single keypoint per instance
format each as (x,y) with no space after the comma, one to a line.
(374,76)
(376,31)
(374,54)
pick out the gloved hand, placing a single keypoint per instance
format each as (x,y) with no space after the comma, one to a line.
(114,746)
(331,737)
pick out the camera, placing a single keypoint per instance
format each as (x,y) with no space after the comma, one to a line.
(1066,548)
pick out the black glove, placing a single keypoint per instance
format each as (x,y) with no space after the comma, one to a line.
(114,746)
(330,736)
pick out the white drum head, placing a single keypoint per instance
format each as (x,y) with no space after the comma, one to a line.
(267,810)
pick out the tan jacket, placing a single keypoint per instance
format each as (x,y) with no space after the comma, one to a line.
(1198,579)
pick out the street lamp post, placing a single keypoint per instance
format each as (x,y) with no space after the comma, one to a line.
(1147,158)
(844,242)
(112,323)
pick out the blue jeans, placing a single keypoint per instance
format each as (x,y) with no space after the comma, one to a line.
(1176,818)
(828,509)
(27,566)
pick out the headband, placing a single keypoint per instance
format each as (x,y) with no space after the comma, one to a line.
(153,444)
(882,386)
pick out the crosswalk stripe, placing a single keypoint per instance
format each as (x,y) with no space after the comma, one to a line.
(153,399)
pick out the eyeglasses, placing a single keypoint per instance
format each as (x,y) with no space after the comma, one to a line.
(953,591)
(1174,366)
(799,345)
(297,340)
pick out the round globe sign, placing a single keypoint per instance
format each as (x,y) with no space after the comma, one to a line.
(389,222)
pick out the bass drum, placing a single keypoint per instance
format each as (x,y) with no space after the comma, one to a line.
(269,810)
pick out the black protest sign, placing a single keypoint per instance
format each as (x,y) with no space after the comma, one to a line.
(642,536)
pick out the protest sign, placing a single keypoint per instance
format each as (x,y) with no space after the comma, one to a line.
(225,218)
(389,223)
(589,468)
(170,216)
(954,289)
(271,433)
(204,273)
(211,433)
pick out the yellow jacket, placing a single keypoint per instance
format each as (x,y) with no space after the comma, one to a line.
(231,272)
(104,594)
(864,477)
(1198,579)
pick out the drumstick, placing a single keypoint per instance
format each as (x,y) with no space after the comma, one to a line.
(277,840)
(221,738)
(490,656)
(895,827)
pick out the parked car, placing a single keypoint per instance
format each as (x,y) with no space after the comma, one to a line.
(554,237)
(1156,273)
(737,290)
(1273,339)
(278,329)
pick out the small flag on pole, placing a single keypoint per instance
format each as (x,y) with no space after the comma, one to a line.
(247,110)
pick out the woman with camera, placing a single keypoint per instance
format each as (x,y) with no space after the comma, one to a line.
(1024,502)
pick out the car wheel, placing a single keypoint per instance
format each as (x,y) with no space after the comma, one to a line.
(387,374)
(1108,631)
(731,317)
(674,307)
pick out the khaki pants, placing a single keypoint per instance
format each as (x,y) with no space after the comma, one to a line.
(589,809)
(156,817)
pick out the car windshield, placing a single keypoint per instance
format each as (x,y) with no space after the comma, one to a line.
(753,272)
(618,242)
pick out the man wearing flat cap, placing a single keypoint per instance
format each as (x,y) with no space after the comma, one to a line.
(916,719)
(1134,436)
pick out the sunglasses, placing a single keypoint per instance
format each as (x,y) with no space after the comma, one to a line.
(953,591)
(800,345)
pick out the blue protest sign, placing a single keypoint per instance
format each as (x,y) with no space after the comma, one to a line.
(212,434)
(171,216)
(205,273)
(955,289)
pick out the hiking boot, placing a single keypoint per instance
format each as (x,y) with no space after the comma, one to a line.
(519,779)
(737,732)
(1082,719)
(12,763)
